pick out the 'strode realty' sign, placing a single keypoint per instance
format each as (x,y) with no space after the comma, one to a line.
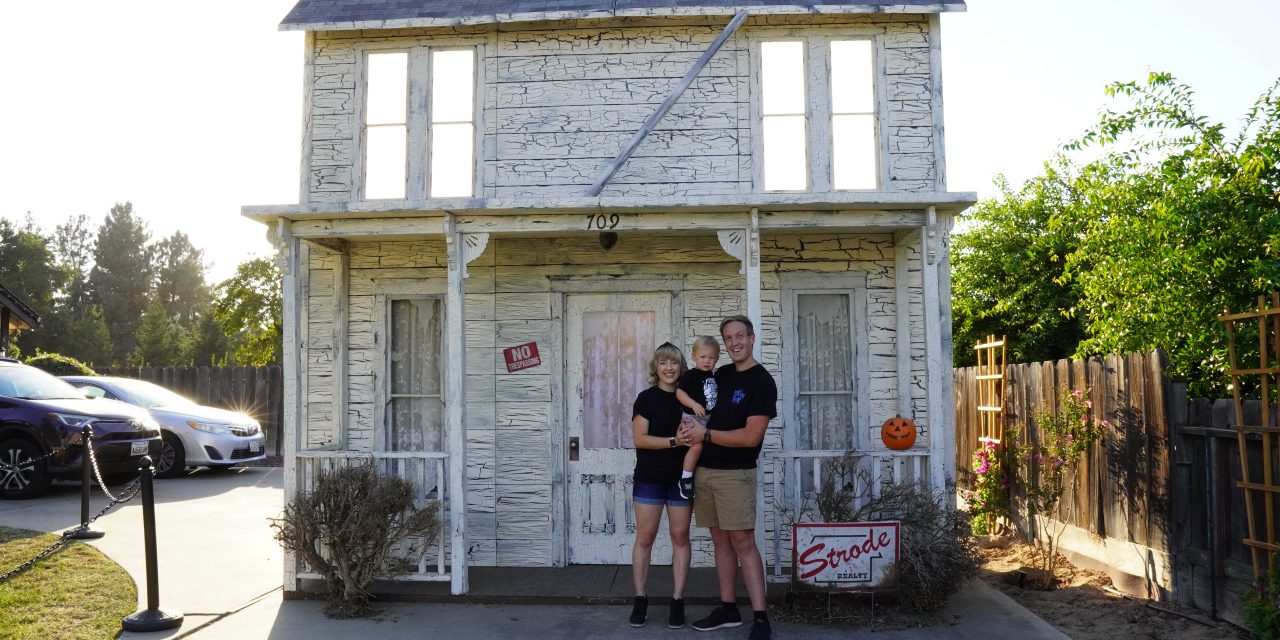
(855,555)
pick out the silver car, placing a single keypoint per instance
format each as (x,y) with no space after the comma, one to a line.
(193,435)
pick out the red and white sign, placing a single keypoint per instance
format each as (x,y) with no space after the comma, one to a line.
(845,555)
(522,357)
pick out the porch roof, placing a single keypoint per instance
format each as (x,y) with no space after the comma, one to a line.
(21,316)
(338,15)
(853,209)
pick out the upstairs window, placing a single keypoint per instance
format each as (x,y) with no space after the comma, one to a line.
(818,131)
(419,124)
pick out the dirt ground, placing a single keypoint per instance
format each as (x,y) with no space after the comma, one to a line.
(1083,608)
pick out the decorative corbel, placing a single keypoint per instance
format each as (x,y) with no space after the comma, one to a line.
(462,247)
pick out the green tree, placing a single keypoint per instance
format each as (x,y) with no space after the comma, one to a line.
(249,307)
(27,267)
(75,325)
(185,298)
(120,276)
(1007,279)
(1139,247)
(159,340)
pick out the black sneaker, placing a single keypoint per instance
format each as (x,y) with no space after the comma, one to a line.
(639,611)
(760,630)
(676,619)
(686,488)
(721,617)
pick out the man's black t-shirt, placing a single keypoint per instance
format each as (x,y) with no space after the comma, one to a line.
(663,411)
(741,394)
(701,386)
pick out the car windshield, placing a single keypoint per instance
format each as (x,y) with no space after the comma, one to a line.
(151,396)
(29,383)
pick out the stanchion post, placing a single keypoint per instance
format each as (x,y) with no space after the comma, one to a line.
(86,531)
(153,618)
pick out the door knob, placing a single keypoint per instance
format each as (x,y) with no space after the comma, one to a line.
(573,448)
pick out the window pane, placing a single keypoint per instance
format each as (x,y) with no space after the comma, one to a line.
(387,85)
(451,160)
(452,85)
(852,87)
(782,78)
(415,346)
(384,162)
(416,425)
(616,347)
(824,364)
(853,152)
(785,157)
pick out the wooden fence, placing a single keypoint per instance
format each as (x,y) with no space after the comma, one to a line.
(1161,484)
(257,391)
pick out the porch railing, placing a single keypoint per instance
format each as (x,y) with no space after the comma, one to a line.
(423,470)
(797,475)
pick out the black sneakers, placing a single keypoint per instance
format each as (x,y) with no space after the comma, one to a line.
(639,611)
(686,488)
(760,630)
(721,617)
(676,619)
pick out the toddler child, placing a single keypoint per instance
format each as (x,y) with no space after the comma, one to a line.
(696,391)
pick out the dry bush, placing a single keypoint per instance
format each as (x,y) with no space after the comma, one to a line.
(936,554)
(346,530)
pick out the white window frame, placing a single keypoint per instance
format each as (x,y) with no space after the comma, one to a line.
(819,145)
(429,289)
(854,285)
(418,119)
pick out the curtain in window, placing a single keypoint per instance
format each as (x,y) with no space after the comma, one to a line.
(824,402)
(616,348)
(415,416)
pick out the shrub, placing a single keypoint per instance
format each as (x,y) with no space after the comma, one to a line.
(60,365)
(358,518)
(987,490)
(1262,603)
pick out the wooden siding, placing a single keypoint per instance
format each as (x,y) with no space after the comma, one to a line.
(559,100)
(514,295)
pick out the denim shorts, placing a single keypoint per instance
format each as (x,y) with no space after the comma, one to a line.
(659,494)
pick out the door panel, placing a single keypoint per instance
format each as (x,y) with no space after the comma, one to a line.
(609,339)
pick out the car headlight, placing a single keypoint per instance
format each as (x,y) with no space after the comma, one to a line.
(209,427)
(73,420)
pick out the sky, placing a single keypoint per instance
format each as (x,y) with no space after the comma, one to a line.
(192,109)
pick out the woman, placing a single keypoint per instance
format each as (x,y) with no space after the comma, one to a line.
(655,423)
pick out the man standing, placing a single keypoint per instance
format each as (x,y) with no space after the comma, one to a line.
(725,497)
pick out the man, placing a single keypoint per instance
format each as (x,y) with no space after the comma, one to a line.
(725,498)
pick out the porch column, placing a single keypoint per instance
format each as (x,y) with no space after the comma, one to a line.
(939,407)
(462,249)
(4,330)
(287,260)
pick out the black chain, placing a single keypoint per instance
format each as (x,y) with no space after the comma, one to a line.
(30,461)
(130,492)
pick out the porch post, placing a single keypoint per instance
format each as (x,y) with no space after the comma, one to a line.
(291,372)
(4,330)
(938,406)
(462,248)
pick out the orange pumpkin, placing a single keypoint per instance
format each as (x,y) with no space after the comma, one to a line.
(898,433)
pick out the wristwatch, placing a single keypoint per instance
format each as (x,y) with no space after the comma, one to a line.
(706,436)
(672,441)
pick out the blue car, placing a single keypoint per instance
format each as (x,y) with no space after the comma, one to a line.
(41,418)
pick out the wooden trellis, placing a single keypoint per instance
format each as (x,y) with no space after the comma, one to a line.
(1267,371)
(990,398)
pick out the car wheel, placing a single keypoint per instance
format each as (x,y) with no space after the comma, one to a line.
(221,467)
(21,475)
(172,460)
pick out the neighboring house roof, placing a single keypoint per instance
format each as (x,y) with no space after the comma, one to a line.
(20,315)
(331,15)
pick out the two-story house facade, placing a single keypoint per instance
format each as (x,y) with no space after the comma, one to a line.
(505,206)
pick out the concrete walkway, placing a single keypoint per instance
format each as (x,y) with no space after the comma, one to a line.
(220,566)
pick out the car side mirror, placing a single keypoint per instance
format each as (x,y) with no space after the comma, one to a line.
(90,396)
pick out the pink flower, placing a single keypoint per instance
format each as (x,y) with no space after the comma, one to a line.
(1105,424)
(1077,393)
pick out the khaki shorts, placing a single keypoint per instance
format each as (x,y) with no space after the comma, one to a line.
(725,498)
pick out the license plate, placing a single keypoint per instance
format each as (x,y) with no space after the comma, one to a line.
(255,446)
(138,448)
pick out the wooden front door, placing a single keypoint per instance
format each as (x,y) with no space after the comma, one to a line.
(609,340)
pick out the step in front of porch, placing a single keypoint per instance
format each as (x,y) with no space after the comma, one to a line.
(578,584)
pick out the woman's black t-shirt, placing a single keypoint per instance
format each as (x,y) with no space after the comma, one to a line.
(663,411)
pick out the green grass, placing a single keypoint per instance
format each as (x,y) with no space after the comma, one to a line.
(75,593)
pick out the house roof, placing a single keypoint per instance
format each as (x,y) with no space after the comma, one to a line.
(334,15)
(20,315)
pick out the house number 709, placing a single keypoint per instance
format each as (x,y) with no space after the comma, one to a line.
(601,221)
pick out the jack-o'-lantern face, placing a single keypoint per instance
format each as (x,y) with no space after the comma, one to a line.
(898,433)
